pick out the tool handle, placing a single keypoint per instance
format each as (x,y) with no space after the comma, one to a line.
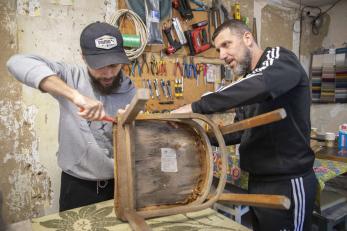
(106,118)
(168,85)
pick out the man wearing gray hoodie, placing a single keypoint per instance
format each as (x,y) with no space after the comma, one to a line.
(86,94)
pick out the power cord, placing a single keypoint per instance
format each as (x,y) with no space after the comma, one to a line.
(140,28)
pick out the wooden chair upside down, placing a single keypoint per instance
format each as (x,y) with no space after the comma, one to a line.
(164,164)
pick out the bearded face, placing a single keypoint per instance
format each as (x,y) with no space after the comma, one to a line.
(106,79)
(243,66)
(105,86)
(232,49)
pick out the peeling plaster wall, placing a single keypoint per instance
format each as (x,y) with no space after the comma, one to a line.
(328,117)
(30,177)
(24,182)
(54,34)
(276,26)
(337,33)
(311,42)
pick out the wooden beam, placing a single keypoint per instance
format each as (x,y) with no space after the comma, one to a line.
(136,222)
(255,121)
(257,200)
(137,104)
(121,172)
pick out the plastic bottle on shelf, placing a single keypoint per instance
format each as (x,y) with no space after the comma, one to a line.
(342,142)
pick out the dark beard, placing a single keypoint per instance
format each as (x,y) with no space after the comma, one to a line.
(106,90)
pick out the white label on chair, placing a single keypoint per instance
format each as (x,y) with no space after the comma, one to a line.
(168,160)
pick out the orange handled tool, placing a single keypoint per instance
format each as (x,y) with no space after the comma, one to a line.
(106,118)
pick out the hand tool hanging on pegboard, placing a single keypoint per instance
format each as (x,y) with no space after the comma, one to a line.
(188,34)
(226,14)
(179,31)
(178,87)
(135,63)
(168,87)
(200,37)
(154,65)
(173,45)
(192,70)
(237,14)
(186,72)
(184,8)
(177,68)
(163,88)
(156,88)
(149,84)
(201,71)
(162,65)
(218,13)
(144,64)
(215,14)
(202,6)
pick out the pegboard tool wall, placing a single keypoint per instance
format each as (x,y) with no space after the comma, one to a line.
(191,89)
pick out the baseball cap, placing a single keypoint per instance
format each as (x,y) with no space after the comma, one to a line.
(102,45)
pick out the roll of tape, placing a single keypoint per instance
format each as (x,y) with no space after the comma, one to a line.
(131,40)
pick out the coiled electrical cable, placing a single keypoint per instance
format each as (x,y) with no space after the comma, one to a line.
(140,28)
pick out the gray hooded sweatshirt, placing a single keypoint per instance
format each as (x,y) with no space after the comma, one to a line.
(85,147)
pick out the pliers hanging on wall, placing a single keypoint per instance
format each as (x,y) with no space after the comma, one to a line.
(179,67)
(186,67)
(133,67)
(192,68)
(162,67)
(144,63)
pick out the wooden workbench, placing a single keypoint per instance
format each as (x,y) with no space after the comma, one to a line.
(101,216)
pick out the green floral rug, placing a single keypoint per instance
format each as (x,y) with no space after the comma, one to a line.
(101,217)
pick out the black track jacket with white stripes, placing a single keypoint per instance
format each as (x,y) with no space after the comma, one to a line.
(281,149)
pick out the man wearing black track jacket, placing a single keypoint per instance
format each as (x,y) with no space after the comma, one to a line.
(277,156)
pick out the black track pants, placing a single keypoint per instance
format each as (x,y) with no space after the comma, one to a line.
(301,191)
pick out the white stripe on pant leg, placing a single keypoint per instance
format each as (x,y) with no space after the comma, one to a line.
(303,202)
(299,192)
(295,205)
